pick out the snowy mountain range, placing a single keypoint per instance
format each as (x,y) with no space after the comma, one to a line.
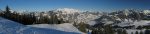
(125,19)
(74,15)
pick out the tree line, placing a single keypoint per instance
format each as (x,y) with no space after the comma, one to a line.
(30,18)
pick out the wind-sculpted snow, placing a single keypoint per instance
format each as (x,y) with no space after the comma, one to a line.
(10,27)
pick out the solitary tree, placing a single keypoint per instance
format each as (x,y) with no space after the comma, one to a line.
(7,12)
(7,9)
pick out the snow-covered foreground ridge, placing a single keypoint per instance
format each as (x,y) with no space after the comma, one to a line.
(10,27)
(67,27)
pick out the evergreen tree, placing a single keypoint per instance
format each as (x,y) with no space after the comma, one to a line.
(136,32)
(119,31)
(94,32)
(97,31)
(82,27)
(45,20)
(141,32)
(7,12)
(61,21)
(7,9)
(131,32)
(100,32)
(75,24)
(55,20)
(124,32)
(147,31)
(108,29)
(139,27)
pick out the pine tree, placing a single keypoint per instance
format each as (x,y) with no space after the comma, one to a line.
(45,19)
(136,32)
(97,31)
(119,31)
(147,31)
(7,12)
(82,27)
(61,21)
(7,9)
(94,32)
(108,29)
(131,32)
(139,27)
(75,24)
(124,32)
(55,19)
(141,32)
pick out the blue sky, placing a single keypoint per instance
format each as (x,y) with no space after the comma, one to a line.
(97,5)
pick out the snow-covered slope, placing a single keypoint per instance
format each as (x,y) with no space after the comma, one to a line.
(136,23)
(67,27)
(10,27)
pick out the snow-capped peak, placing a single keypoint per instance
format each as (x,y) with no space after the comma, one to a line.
(67,10)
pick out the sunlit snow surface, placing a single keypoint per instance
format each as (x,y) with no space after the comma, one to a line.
(67,27)
(136,23)
(10,27)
